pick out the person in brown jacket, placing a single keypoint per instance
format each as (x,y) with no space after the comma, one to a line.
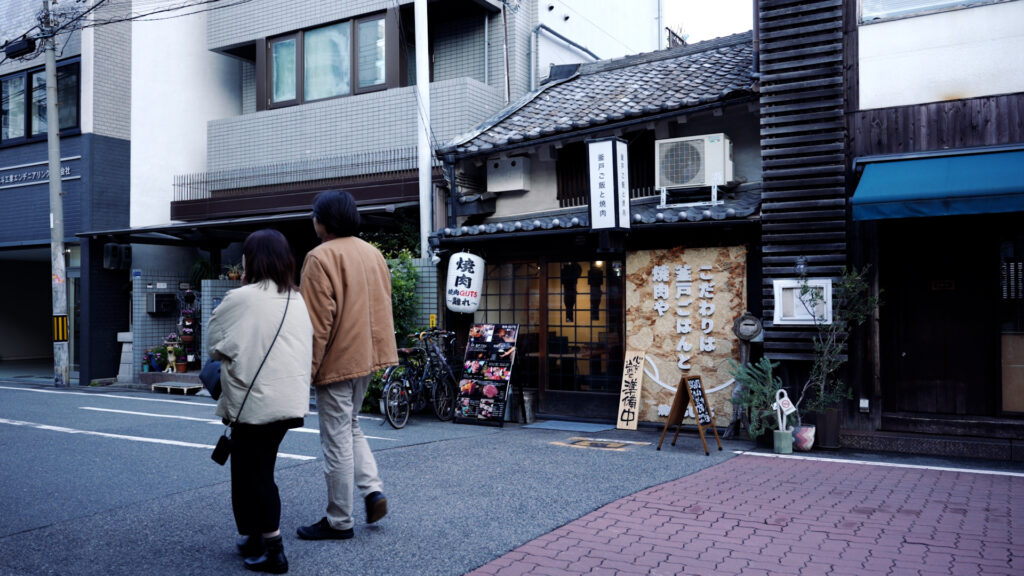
(346,285)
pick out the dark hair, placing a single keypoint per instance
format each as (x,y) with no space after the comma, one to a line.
(336,211)
(269,257)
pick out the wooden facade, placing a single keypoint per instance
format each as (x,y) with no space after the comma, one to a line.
(969,123)
(803,151)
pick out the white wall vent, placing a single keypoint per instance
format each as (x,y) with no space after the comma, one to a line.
(508,174)
(693,161)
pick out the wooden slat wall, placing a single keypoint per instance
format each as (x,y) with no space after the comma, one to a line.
(802,152)
(969,123)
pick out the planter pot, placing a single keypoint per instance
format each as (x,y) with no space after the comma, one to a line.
(765,440)
(181,366)
(155,366)
(783,441)
(803,438)
(188,337)
(828,429)
(145,367)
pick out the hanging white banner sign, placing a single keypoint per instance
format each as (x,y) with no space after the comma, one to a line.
(608,162)
(465,280)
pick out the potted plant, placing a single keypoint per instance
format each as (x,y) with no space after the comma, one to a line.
(146,358)
(234,271)
(757,387)
(157,358)
(188,331)
(180,363)
(824,390)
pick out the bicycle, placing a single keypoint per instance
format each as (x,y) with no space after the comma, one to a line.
(423,375)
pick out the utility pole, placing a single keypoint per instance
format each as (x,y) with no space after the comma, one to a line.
(58,276)
(424,153)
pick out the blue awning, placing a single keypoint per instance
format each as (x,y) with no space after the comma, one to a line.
(941,186)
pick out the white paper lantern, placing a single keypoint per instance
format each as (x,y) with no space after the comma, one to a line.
(465,282)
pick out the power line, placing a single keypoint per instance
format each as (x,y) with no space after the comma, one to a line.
(594,24)
(75,17)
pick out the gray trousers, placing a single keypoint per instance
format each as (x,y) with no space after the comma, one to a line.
(347,457)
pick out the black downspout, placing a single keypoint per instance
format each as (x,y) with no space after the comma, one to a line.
(449,168)
(757,37)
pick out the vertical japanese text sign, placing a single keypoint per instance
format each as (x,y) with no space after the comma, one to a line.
(629,397)
(608,162)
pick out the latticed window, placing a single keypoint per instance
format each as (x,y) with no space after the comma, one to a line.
(572,171)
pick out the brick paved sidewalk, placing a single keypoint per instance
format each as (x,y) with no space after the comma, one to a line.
(760,514)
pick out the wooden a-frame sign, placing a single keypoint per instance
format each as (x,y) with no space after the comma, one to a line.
(702,411)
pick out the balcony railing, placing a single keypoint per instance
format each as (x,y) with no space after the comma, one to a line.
(294,175)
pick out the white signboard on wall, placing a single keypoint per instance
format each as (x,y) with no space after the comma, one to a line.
(608,163)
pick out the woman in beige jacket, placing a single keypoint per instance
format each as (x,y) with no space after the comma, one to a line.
(240,332)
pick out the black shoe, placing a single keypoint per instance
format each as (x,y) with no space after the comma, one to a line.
(249,546)
(322,531)
(376,507)
(272,561)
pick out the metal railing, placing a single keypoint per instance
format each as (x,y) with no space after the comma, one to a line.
(294,175)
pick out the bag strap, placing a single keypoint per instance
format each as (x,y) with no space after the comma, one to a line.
(265,356)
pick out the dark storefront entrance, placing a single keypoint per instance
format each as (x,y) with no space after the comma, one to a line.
(570,314)
(952,322)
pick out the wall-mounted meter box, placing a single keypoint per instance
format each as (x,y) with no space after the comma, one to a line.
(161,303)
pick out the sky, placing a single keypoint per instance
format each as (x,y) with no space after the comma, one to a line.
(706,19)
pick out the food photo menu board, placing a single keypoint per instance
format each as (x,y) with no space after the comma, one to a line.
(484,388)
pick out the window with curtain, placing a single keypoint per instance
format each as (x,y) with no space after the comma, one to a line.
(23,114)
(327,61)
(339,59)
(371,53)
(282,69)
(12,109)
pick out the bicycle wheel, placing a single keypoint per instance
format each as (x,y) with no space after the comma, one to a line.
(444,397)
(396,401)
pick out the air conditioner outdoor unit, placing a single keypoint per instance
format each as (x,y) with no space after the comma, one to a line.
(508,174)
(693,161)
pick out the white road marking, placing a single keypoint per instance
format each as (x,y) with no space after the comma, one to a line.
(142,399)
(885,464)
(132,438)
(207,420)
(94,395)
(152,415)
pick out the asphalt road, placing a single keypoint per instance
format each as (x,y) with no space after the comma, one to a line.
(115,481)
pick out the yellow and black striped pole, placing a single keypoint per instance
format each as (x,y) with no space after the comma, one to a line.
(60,328)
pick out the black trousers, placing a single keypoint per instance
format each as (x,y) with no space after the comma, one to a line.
(254,497)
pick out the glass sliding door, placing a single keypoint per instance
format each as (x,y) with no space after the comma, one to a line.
(570,345)
(584,336)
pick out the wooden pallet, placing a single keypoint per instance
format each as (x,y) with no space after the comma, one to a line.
(177,388)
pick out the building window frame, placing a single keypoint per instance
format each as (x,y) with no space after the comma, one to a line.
(876,11)
(33,128)
(299,64)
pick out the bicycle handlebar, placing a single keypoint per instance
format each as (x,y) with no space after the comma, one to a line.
(429,334)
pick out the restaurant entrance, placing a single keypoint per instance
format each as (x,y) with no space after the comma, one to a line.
(953,316)
(570,345)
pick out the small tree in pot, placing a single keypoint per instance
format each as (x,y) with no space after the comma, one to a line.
(852,304)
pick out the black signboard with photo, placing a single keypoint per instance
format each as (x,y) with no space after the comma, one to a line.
(484,388)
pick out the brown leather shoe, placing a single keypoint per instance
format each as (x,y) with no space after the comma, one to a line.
(322,530)
(376,507)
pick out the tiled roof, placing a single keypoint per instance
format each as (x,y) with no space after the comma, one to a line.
(741,203)
(629,88)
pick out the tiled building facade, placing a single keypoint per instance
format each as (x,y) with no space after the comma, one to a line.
(94,161)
